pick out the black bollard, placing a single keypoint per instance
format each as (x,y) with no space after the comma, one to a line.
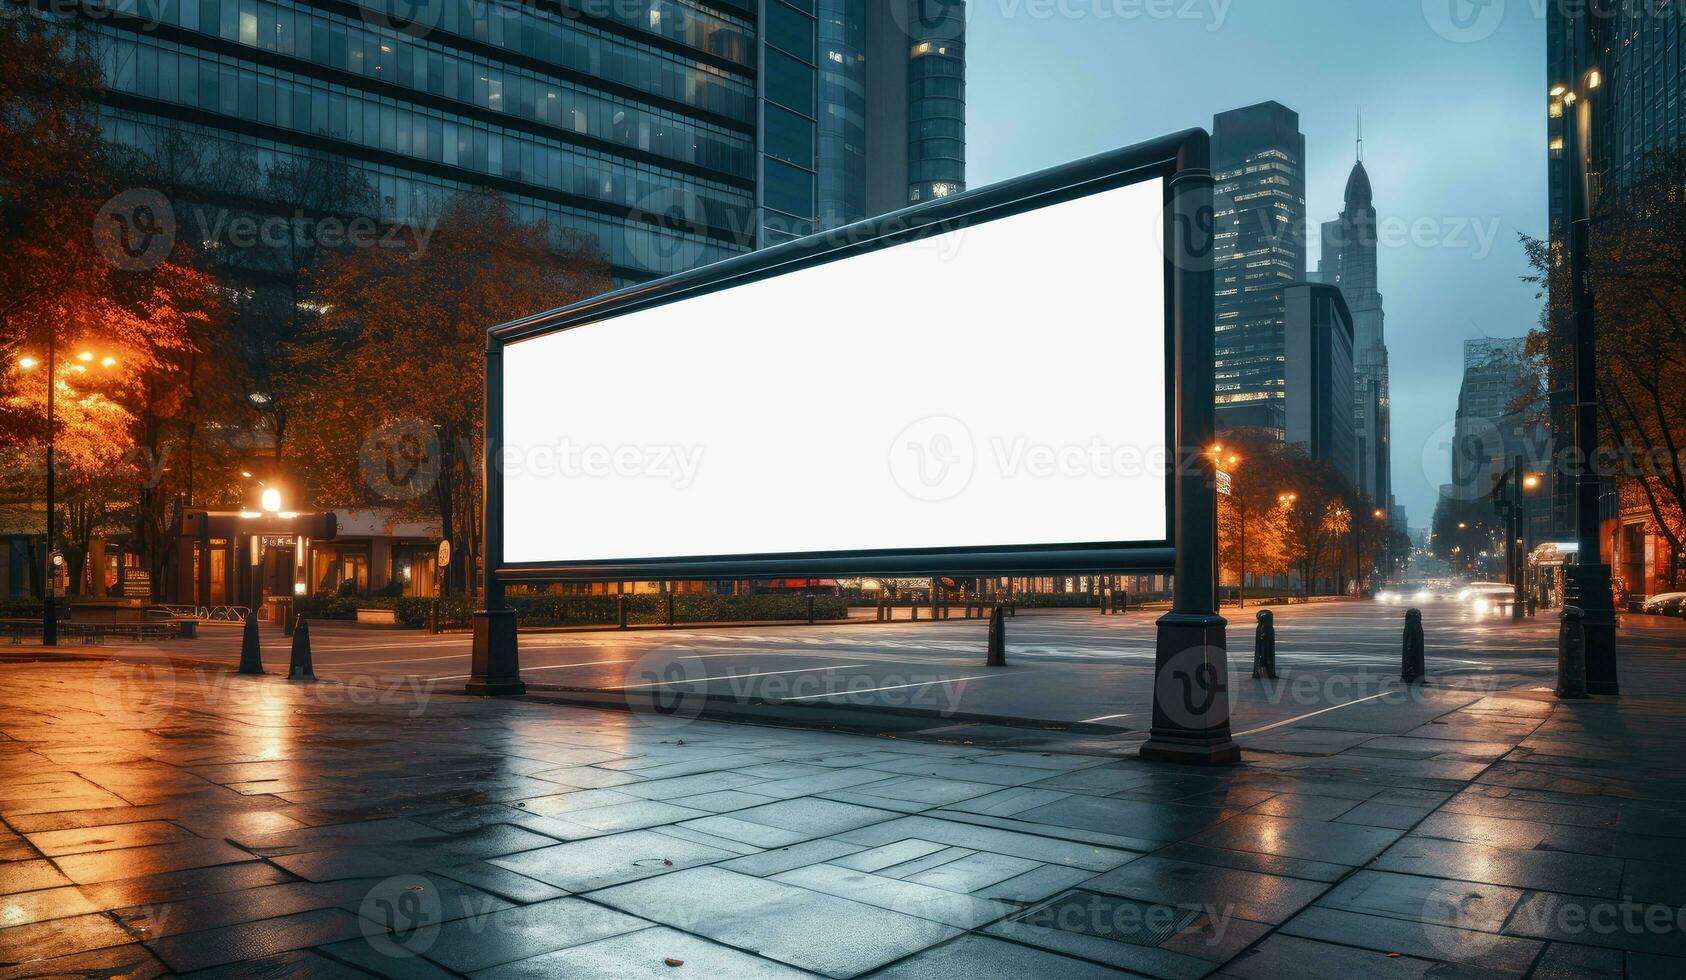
(997,639)
(670,609)
(620,612)
(1106,599)
(1264,646)
(810,608)
(1571,655)
(913,610)
(299,667)
(286,607)
(1123,600)
(251,651)
(1412,667)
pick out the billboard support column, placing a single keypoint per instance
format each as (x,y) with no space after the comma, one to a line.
(496,663)
(1191,673)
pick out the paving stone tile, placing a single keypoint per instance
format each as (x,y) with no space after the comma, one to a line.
(974,871)
(342,863)
(1394,816)
(23,876)
(1035,848)
(926,789)
(730,827)
(1302,805)
(875,802)
(1440,901)
(1616,924)
(1652,881)
(1268,864)
(252,940)
(671,789)
(1259,897)
(80,840)
(501,882)
(904,896)
(1499,954)
(1313,840)
(796,926)
(1564,961)
(1016,825)
(1035,885)
(176,885)
(1008,802)
(974,957)
(1646,966)
(771,862)
(300,964)
(927,862)
(39,906)
(1545,870)
(580,866)
(698,837)
(1282,957)
(965,771)
(633,815)
(131,962)
(643,955)
(814,817)
(1154,821)
(136,862)
(59,937)
(468,945)
(724,801)
(889,855)
(1216,938)
(1138,959)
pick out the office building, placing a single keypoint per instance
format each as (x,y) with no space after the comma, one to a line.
(1319,372)
(1258,158)
(1349,261)
(669,133)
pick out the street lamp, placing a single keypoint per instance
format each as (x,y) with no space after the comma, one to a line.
(49,611)
(1587,583)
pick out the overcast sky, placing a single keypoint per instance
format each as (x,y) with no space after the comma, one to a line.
(1453,95)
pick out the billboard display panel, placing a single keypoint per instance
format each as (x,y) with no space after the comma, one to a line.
(993,385)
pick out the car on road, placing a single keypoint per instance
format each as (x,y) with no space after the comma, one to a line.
(1666,604)
(1487,598)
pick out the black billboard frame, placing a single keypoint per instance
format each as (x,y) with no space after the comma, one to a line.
(1191,713)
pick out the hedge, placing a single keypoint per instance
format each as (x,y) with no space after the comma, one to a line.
(558,610)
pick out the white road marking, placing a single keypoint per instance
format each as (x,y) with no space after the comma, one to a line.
(892,687)
(734,677)
(1311,714)
(1105,718)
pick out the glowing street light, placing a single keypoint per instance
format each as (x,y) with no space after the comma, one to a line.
(271,500)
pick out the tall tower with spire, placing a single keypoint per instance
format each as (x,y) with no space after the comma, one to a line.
(1349,261)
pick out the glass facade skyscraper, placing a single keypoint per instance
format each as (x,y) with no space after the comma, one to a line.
(893,110)
(669,133)
(1258,157)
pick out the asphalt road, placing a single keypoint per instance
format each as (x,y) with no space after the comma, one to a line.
(1336,661)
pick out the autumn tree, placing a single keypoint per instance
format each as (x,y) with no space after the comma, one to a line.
(1252,523)
(396,411)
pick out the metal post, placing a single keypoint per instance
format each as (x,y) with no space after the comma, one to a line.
(495,667)
(1412,665)
(1264,646)
(1571,656)
(49,612)
(997,653)
(1588,581)
(1191,693)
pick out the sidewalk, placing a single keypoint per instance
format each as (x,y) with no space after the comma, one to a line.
(181,820)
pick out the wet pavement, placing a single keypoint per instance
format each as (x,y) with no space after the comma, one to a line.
(183,819)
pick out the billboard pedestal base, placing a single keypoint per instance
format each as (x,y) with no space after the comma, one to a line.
(1191,693)
(496,666)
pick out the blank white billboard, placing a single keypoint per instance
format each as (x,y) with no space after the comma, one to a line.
(999,385)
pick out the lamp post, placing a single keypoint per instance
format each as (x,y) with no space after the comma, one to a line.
(1588,581)
(49,611)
